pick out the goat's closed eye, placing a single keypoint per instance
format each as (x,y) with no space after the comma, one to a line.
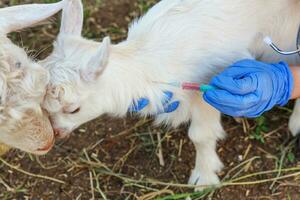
(77,110)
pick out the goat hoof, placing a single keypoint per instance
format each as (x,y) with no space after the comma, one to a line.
(203,180)
(294,126)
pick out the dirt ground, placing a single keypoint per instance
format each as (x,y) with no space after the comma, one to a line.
(118,158)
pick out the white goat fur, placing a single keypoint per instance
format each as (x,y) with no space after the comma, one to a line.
(177,40)
(23,123)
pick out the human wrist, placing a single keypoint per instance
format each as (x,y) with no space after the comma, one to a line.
(296,75)
(287,77)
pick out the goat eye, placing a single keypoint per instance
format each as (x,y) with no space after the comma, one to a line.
(67,111)
(75,111)
(18,65)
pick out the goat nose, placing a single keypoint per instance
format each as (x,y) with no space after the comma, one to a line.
(56,132)
(48,146)
(61,133)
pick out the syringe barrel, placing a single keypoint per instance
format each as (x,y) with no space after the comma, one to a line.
(191,86)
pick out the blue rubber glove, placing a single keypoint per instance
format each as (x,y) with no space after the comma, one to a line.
(248,88)
(169,105)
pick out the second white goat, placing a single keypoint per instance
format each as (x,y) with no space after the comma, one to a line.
(23,123)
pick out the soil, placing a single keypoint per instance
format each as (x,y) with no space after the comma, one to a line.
(111,158)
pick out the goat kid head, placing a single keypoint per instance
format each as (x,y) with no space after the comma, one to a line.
(75,66)
(23,123)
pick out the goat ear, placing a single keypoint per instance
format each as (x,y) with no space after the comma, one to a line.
(17,17)
(72,18)
(98,62)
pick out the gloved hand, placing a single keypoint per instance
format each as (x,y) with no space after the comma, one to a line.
(248,88)
(168,104)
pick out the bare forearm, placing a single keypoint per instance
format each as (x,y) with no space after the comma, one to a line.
(296,74)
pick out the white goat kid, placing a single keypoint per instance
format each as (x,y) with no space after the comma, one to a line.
(177,40)
(23,123)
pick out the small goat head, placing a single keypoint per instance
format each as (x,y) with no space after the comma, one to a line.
(75,66)
(23,123)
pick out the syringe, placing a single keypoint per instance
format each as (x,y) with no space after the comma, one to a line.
(190,86)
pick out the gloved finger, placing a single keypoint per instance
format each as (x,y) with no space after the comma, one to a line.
(243,68)
(167,98)
(168,106)
(256,110)
(171,107)
(242,86)
(222,98)
(252,111)
(139,105)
